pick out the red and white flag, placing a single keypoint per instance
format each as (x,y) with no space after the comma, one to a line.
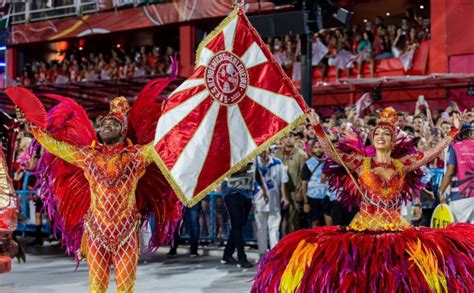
(237,101)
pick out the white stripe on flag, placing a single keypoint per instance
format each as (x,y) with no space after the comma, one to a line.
(229,34)
(241,141)
(253,56)
(282,106)
(188,84)
(205,57)
(189,164)
(171,118)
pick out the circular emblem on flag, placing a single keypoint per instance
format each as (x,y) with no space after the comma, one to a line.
(226,78)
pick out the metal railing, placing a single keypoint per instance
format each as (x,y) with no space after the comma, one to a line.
(214,222)
(24,196)
(22,12)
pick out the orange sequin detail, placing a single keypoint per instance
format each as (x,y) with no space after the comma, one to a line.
(112,221)
(380,206)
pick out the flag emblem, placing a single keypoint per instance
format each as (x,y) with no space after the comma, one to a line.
(226,78)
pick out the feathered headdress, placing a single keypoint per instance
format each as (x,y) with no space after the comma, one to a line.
(388,119)
(119,108)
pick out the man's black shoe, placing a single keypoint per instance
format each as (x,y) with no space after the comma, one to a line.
(228,261)
(244,264)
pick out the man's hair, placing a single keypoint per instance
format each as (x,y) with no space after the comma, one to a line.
(372,121)
(408,129)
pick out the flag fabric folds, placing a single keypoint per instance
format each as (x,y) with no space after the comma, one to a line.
(234,105)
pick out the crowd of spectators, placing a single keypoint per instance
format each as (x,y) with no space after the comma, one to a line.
(351,47)
(81,66)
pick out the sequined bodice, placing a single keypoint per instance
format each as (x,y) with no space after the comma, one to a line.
(381,203)
(113,174)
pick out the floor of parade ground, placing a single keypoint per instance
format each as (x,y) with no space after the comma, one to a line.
(48,270)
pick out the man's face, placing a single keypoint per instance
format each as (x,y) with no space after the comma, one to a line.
(401,122)
(288,140)
(110,129)
(445,127)
(317,150)
(301,128)
(264,155)
(310,132)
(358,124)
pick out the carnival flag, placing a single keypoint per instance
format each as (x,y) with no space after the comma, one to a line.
(234,105)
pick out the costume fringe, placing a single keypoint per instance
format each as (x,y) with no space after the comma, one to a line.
(413,260)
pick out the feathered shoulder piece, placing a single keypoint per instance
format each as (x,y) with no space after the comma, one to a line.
(353,144)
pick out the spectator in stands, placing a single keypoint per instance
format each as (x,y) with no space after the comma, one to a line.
(379,21)
(80,66)
(445,127)
(399,43)
(267,205)
(365,51)
(25,79)
(459,176)
(419,125)
(382,49)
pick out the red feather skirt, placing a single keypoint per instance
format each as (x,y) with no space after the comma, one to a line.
(331,259)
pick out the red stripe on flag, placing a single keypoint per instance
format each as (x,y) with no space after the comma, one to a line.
(178,98)
(217,44)
(218,157)
(173,143)
(243,39)
(261,123)
(265,77)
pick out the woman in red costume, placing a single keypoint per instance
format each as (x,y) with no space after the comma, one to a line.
(379,251)
(100,193)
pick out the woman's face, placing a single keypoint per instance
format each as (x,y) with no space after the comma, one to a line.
(382,139)
(418,124)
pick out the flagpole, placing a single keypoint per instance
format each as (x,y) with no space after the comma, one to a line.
(341,162)
(238,3)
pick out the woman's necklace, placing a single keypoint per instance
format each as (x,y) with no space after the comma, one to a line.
(388,165)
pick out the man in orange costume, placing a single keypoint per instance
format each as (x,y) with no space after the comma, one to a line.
(112,222)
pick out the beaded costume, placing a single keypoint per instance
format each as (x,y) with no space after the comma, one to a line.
(99,194)
(379,251)
(8,210)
